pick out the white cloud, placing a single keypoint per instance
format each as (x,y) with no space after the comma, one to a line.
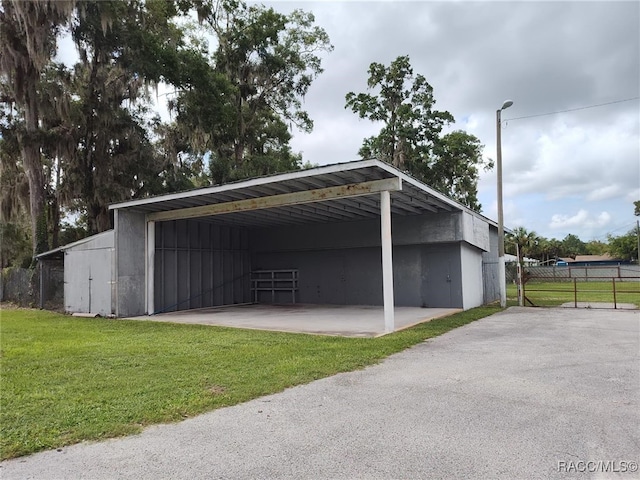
(597,160)
(602,193)
(634,195)
(582,219)
(478,54)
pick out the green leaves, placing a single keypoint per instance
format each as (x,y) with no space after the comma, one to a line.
(624,247)
(269,61)
(411,134)
(86,135)
(522,242)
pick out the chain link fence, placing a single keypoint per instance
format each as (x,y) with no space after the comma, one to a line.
(34,287)
(629,273)
(573,285)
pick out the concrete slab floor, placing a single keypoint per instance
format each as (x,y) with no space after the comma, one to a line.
(339,320)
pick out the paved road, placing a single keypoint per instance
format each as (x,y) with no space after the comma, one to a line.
(528,393)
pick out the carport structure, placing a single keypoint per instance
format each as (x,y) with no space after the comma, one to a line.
(317,236)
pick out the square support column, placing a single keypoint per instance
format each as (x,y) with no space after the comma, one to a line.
(387,261)
(150,264)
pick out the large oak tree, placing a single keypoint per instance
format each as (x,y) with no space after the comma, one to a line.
(28,34)
(411,135)
(269,60)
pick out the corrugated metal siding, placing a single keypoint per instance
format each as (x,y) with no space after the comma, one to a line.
(490,280)
(200,264)
(88,276)
(472,276)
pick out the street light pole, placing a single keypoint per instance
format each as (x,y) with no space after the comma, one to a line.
(501,265)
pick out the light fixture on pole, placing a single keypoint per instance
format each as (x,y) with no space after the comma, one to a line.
(501,266)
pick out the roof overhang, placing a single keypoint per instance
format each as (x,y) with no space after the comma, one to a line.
(332,193)
(59,252)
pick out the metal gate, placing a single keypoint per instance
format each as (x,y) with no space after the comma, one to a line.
(592,287)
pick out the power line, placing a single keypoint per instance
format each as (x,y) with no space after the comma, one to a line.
(610,232)
(573,109)
(628,225)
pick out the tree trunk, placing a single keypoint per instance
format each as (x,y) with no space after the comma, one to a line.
(240,141)
(103,220)
(35,175)
(32,164)
(99,218)
(55,209)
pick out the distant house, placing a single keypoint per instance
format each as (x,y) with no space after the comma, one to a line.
(591,261)
(529,262)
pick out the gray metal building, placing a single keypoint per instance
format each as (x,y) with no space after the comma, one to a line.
(358,233)
(88,273)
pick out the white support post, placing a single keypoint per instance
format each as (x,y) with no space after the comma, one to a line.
(150,277)
(387,261)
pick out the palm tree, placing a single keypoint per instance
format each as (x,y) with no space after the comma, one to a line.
(523,242)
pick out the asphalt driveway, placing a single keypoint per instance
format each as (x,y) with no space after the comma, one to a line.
(527,393)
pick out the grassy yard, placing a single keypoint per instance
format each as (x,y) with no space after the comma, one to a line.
(552,293)
(67,379)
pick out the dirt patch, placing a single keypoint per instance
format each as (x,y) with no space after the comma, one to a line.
(216,389)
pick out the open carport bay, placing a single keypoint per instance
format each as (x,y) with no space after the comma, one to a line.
(342,320)
(356,233)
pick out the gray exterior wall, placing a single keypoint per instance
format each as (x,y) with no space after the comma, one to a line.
(130,242)
(442,277)
(340,263)
(424,275)
(490,279)
(89,275)
(406,230)
(199,265)
(471,274)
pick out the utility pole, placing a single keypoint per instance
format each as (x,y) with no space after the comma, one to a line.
(638,235)
(501,267)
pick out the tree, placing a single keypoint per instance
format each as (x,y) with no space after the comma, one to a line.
(522,242)
(15,233)
(92,132)
(410,137)
(124,48)
(596,247)
(572,246)
(113,157)
(455,169)
(624,247)
(28,32)
(636,208)
(554,248)
(269,61)
(14,187)
(85,135)
(541,250)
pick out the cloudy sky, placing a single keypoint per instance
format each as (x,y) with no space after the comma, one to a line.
(576,171)
(573,172)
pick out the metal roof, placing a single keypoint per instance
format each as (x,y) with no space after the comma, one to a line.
(413,197)
(60,250)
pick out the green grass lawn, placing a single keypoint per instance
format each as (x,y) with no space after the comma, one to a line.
(67,379)
(557,293)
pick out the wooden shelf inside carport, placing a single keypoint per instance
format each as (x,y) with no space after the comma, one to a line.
(274,281)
